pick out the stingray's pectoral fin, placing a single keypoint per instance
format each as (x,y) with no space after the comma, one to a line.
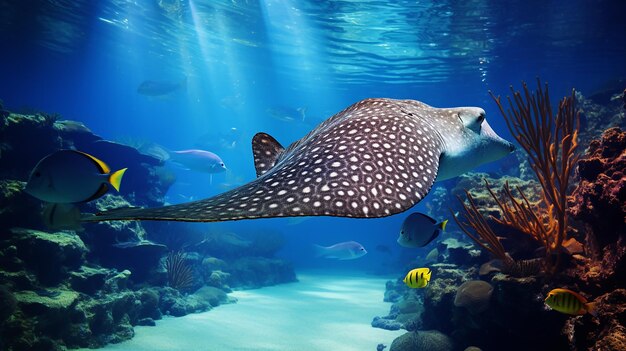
(266,151)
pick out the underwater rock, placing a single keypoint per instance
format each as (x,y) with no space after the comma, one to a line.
(174,303)
(600,197)
(475,183)
(213,296)
(225,245)
(142,182)
(473,348)
(117,282)
(404,313)
(19,153)
(62,251)
(596,118)
(266,243)
(489,267)
(211,264)
(8,304)
(255,272)
(463,253)
(74,134)
(474,295)
(121,244)
(387,324)
(146,322)
(89,280)
(219,280)
(431,340)
(394,290)
(439,297)
(607,332)
(17,207)
(55,301)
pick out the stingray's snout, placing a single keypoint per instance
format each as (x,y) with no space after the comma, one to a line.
(512,147)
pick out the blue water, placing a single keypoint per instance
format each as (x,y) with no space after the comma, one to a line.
(85,59)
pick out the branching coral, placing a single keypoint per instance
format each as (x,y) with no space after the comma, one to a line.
(486,237)
(179,273)
(550,144)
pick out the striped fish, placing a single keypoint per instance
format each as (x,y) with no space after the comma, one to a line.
(417,278)
(569,302)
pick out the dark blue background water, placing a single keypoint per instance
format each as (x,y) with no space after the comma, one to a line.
(85,60)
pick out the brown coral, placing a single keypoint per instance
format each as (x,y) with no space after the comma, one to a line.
(600,197)
(550,143)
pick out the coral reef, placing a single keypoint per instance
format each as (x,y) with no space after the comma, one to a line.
(550,143)
(431,340)
(592,250)
(474,295)
(70,289)
(609,333)
(600,197)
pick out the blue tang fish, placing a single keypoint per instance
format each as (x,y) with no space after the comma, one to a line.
(69,176)
(419,229)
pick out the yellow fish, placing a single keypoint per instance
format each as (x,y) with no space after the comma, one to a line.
(569,302)
(417,278)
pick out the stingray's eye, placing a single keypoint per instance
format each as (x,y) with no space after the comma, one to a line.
(222,164)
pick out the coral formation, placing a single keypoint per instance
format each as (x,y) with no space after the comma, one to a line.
(474,295)
(593,267)
(431,340)
(600,197)
(550,143)
(67,289)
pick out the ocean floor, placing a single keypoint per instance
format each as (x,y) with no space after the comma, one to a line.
(320,312)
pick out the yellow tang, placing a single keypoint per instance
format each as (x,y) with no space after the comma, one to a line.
(569,302)
(417,278)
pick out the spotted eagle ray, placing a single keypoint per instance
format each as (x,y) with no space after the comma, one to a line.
(376,158)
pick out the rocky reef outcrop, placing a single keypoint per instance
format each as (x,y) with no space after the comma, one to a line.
(508,312)
(600,197)
(68,289)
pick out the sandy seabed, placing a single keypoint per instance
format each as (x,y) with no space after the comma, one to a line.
(320,312)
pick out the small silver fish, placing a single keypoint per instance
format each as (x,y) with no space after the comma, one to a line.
(419,229)
(348,250)
(69,176)
(199,160)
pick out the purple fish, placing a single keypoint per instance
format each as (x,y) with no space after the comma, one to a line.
(348,250)
(199,160)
